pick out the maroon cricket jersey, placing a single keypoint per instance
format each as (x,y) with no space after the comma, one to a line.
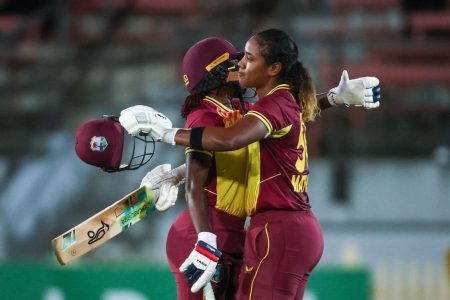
(225,190)
(227,180)
(283,168)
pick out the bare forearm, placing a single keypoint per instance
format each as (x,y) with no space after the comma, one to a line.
(198,165)
(198,209)
(246,131)
(323,102)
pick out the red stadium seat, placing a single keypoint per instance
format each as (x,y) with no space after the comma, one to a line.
(422,23)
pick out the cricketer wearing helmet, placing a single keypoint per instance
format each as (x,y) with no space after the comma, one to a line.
(210,231)
(275,122)
(199,267)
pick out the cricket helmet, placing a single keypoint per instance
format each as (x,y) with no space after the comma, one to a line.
(100,142)
(207,63)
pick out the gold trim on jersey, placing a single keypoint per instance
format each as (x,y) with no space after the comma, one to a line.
(262,118)
(299,181)
(253,178)
(278,87)
(190,150)
(282,132)
(266,229)
(271,177)
(300,141)
(210,191)
(217,103)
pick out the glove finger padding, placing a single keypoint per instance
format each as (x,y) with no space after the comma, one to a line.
(184,266)
(372,97)
(200,266)
(154,178)
(146,120)
(168,194)
(370,82)
(204,278)
(370,105)
(176,175)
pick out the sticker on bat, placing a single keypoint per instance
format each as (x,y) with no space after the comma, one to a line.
(69,239)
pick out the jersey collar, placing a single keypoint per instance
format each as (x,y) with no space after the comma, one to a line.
(278,87)
(217,103)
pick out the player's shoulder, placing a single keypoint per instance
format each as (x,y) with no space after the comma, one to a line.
(278,98)
(202,116)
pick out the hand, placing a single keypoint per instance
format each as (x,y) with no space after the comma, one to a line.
(162,174)
(164,182)
(168,195)
(363,91)
(140,119)
(201,264)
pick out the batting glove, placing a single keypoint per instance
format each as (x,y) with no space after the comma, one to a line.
(164,182)
(201,264)
(162,174)
(140,119)
(363,91)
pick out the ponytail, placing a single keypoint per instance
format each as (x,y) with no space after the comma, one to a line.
(303,89)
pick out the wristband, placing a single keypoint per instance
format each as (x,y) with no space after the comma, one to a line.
(195,140)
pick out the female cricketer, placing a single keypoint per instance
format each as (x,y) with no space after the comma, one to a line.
(284,241)
(216,183)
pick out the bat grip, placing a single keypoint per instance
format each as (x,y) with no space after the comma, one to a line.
(208,293)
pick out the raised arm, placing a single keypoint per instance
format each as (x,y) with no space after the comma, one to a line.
(139,119)
(247,130)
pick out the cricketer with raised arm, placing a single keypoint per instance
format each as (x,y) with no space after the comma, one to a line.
(200,265)
(360,92)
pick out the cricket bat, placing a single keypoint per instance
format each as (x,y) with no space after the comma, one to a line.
(103,226)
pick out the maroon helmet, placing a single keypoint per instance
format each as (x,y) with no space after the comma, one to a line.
(100,142)
(207,63)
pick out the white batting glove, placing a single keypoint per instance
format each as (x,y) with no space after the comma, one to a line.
(201,264)
(162,174)
(363,91)
(141,119)
(168,195)
(164,182)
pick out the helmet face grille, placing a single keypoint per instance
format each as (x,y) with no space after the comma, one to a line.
(210,82)
(138,157)
(216,77)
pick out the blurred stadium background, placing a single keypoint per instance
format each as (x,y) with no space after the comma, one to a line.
(380,181)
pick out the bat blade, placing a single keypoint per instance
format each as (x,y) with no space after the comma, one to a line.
(103,226)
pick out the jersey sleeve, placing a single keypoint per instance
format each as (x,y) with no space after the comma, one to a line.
(269,112)
(202,118)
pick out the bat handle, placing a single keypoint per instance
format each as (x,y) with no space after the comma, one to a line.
(208,293)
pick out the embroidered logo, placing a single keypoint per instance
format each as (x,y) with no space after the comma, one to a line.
(98,143)
(229,117)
